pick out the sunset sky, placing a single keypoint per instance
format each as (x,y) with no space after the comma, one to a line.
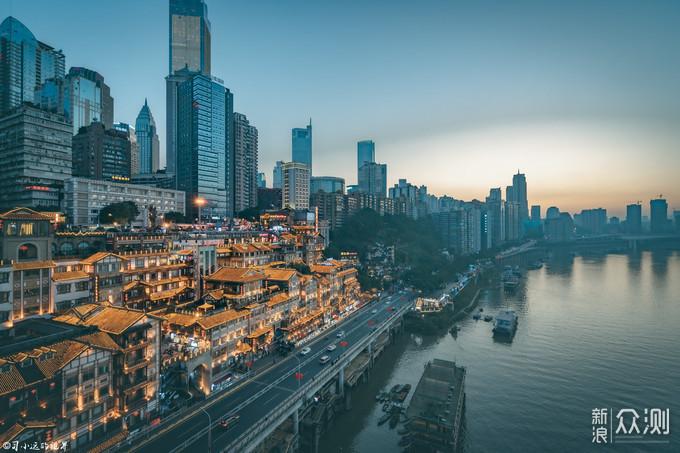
(581,96)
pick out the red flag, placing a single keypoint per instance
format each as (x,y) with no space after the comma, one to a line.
(248,363)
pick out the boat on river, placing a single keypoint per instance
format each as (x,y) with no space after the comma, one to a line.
(384,418)
(488,318)
(506,323)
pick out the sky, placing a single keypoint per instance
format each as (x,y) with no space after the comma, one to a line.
(582,96)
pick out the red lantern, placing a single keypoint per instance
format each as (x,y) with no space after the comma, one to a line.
(343,343)
(248,363)
(370,323)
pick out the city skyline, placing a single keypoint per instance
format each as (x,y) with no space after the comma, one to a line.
(581,98)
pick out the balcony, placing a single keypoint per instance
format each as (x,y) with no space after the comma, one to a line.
(137,344)
(136,365)
(132,387)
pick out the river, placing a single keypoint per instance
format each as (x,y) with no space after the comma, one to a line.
(594,332)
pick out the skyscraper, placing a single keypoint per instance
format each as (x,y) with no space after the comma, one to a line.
(134,146)
(100,153)
(204,146)
(659,215)
(147,137)
(536,212)
(496,216)
(296,179)
(189,36)
(245,163)
(189,55)
(365,152)
(328,184)
(634,218)
(302,145)
(277,175)
(261,181)
(82,96)
(519,184)
(373,179)
(35,155)
(26,65)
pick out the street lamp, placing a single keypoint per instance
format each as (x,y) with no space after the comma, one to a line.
(209,430)
(199,202)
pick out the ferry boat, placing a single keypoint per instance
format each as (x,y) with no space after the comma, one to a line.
(511,283)
(384,418)
(506,323)
(477,315)
(488,318)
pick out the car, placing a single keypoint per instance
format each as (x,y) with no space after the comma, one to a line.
(341,334)
(324,360)
(306,351)
(374,311)
(331,347)
(229,422)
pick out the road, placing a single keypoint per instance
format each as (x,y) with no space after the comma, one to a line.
(255,398)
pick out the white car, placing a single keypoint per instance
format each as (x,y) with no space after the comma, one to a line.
(331,347)
(341,334)
(305,351)
(374,311)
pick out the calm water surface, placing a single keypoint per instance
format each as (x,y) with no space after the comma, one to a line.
(600,332)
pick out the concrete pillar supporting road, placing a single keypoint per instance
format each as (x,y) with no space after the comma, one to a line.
(370,352)
(348,400)
(341,381)
(296,421)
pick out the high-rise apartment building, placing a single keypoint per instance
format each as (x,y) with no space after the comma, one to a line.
(591,221)
(634,218)
(373,179)
(26,64)
(147,137)
(658,209)
(134,146)
(408,193)
(302,145)
(496,216)
(365,153)
(204,167)
(245,163)
(296,179)
(35,157)
(100,153)
(82,96)
(189,55)
(277,175)
(328,184)
(261,181)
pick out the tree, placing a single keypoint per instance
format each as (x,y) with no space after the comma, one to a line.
(176,217)
(123,213)
(153,216)
(301,268)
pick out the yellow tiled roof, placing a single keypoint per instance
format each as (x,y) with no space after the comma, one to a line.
(33,265)
(181,319)
(322,269)
(66,276)
(114,320)
(167,293)
(100,340)
(236,274)
(100,256)
(279,274)
(218,319)
(23,214)
(277,299)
